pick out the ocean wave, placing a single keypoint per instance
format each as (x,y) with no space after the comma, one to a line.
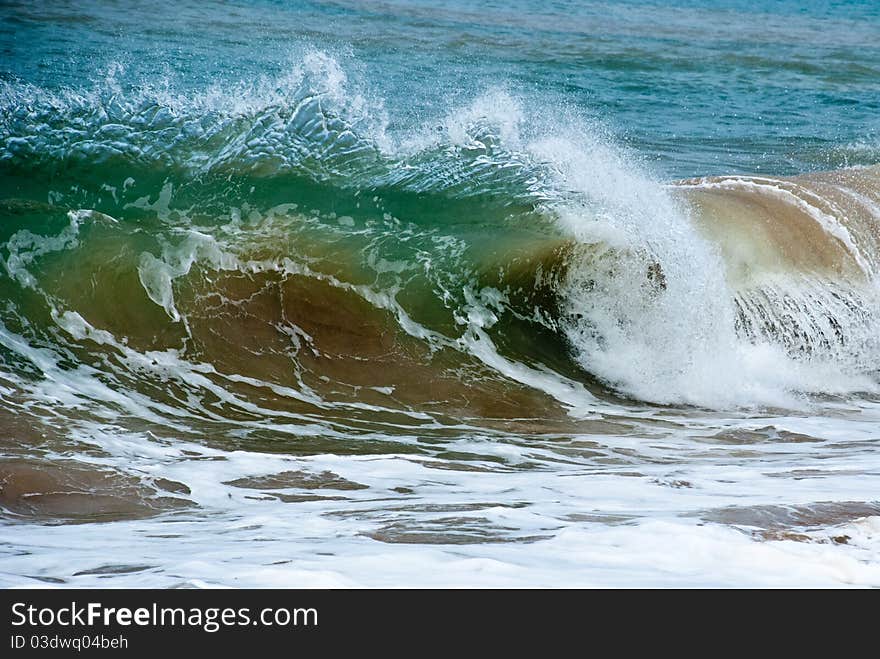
(312,124)
(278,250)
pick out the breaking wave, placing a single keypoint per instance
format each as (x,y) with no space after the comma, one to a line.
(288,254)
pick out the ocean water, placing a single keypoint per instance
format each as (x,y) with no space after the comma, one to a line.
(406,293)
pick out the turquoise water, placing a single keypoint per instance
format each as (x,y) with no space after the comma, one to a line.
(439,293)
(710,88)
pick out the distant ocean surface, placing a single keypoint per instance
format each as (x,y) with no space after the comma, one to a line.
(404,293)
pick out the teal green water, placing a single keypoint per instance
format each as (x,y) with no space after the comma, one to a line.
(430,285)
(713,87)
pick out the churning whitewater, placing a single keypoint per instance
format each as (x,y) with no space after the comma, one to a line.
(277,333)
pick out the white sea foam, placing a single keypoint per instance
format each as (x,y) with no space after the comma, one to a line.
(579,522)
(678,342)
